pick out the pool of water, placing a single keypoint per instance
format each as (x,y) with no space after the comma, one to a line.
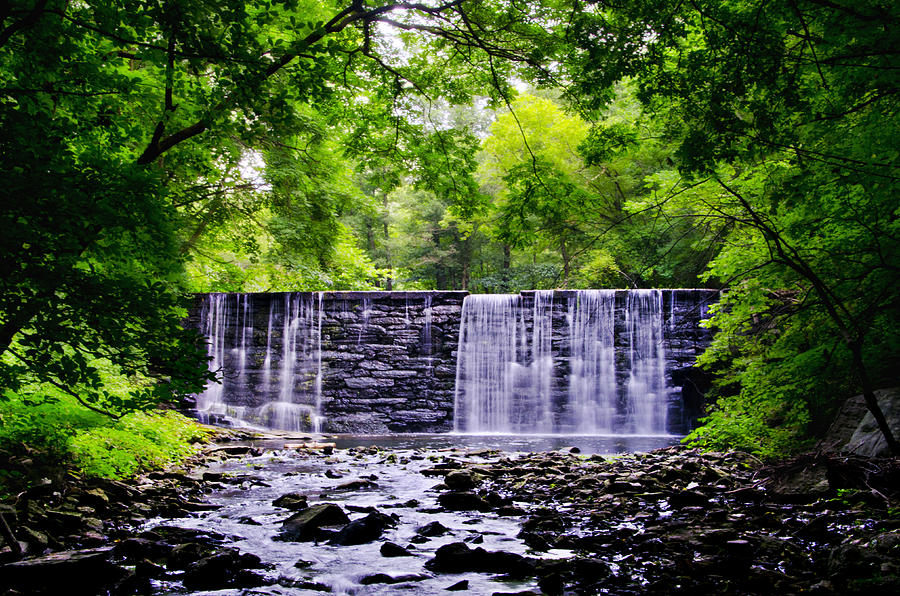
(587,444)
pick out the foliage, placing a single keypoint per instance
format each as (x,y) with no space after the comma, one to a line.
(785,114)
(139,442)
(57,431)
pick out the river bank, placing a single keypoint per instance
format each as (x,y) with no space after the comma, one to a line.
(291,517)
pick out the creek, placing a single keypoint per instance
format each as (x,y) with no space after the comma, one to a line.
(385,473)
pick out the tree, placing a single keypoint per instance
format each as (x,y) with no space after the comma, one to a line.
(799,96)
(114,114)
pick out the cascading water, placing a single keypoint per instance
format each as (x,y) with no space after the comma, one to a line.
(488,363)
(646,390)
(592,365)
(562,362)
(561,381)
(213,316)
(298,403)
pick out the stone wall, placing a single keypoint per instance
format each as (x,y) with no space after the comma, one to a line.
(376,362)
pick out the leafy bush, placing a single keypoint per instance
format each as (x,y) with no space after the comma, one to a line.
(56,430)
(138,442)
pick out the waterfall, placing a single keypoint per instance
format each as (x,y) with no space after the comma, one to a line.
(541,365)
(592,372)
(562,379)
(299,381)
(646,390)
(488,363)
(561,362)
(213,316)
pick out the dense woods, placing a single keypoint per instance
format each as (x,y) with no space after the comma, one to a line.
(154,148)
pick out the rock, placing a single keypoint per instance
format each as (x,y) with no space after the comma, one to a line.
(432,529)
(458,586)
(292,501)
(356,485)
(867,440)
(457,557)
(248,521)
(389,549)
(384,578)
(801,485)
(177,535)
(686,498)
(88,572)
(463,501)
(460,480)
(225,568)
(184,556)
(135,549)
(303,526)
(363,530)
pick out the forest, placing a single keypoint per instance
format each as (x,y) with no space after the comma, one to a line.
(154,148)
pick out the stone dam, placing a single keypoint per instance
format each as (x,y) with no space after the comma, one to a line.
(540,362)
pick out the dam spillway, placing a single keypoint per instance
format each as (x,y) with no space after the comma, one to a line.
(546,361)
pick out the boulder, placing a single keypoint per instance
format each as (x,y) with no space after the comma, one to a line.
(88,572)
(363,530)
(460,480)
(222,569)
(389,549)
(292,501)
(867,440)
(432,529)
(463,501)
(303,526)
(457,557)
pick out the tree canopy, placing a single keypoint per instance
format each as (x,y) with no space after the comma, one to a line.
(154,147)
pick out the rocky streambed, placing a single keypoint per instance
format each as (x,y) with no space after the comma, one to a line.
(272,518)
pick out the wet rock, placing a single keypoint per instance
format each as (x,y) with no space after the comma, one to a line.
(142,548)
(688,498)
(463,501)
(389,549)
(292,501)
(87,572)
(460,480)
(458,586)
(177,535)
(248,521)
(183,556)
(384,578)
(303,526)
(363,530)
(457,557)
(432,529)
(225,568)
(356,485)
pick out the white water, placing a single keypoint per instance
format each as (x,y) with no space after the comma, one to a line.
(488,362)
(299,388)
(592,375)
(509,381)
(646,391)
(213,315)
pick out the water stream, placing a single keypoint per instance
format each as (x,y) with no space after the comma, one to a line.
(399,489)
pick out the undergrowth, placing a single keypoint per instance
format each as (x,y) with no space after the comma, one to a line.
(38,436)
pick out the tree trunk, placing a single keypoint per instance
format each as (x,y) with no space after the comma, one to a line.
(872,399)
